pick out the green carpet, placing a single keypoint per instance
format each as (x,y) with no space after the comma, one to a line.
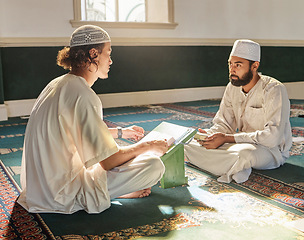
(261,208)
(205,207)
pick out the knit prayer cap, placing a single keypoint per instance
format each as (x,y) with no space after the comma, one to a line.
(246,49)
(88,35)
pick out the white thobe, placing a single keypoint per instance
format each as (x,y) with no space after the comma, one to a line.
(259,121)
(65,138)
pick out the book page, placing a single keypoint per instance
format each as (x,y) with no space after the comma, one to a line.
(173,133)
(155,135)
(200,136)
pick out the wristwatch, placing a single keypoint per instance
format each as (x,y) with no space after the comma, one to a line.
(119,132)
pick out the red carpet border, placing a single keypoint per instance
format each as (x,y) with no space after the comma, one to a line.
(16,222)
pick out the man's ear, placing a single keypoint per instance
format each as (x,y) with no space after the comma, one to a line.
(93,53)
(255,66)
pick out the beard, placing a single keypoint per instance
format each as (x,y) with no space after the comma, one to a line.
(244,80)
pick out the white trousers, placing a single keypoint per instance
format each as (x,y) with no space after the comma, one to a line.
(139,173)
(233,160)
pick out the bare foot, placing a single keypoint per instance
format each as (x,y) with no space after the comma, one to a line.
(138,194)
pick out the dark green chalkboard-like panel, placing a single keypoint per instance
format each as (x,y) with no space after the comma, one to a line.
(155,68)
(1,81)
(26,70)
(283,63)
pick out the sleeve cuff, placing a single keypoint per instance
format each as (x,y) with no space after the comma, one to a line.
(242,138)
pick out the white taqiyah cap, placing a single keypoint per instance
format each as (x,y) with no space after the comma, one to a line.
(247,49)
(88,35)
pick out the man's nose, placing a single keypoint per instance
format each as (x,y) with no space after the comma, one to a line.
(231,69)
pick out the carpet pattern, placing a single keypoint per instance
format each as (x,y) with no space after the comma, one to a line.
(290,195)
(177,222)
(243,208)
(264,204)
(214,203)
(16,222)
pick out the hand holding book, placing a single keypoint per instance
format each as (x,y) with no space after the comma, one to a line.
(200,136)
(172,133)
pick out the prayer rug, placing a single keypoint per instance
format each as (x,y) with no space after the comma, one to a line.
(282,194)
(204,208)
(17,223)
(264,207)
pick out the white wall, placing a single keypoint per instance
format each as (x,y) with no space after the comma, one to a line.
(1,16)
(258,19)
(35,18)
(214,19)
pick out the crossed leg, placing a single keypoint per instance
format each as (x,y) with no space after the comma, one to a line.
(135,178)
(233,161)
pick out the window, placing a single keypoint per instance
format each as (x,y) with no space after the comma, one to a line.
(122,13)
(116,10)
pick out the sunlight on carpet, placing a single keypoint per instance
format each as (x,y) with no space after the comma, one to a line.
(265,206)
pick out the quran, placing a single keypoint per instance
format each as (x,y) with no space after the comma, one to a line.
(176,136)
(200,136)
(172,133)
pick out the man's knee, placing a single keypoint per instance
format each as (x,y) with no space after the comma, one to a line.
(156,165)
(248,156)
(159,165)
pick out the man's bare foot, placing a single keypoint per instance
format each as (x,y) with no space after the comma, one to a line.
(138,194)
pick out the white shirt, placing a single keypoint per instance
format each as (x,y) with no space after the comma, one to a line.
(65,140)
(260,117)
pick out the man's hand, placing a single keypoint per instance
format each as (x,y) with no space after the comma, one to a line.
(158,147)
(134,132)
(201,130)
(126,153)
(213,141)
(216,140)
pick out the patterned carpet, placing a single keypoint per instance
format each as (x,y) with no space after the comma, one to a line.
(16,222)
(261,208)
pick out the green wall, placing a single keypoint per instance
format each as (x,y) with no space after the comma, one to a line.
(1,82)
(26,70)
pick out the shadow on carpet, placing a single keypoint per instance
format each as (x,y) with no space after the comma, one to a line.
(261,208)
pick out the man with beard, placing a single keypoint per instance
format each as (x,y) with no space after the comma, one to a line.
(251,128)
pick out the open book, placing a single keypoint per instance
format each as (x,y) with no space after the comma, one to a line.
(172,133)
(173,159)
(200,136)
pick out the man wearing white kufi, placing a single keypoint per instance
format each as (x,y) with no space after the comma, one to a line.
(70,159)
(251,128)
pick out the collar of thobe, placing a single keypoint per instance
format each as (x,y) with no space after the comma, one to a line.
(252,89)
(82,79)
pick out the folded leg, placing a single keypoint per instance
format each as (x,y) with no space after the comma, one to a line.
(139,173)
(232,161)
